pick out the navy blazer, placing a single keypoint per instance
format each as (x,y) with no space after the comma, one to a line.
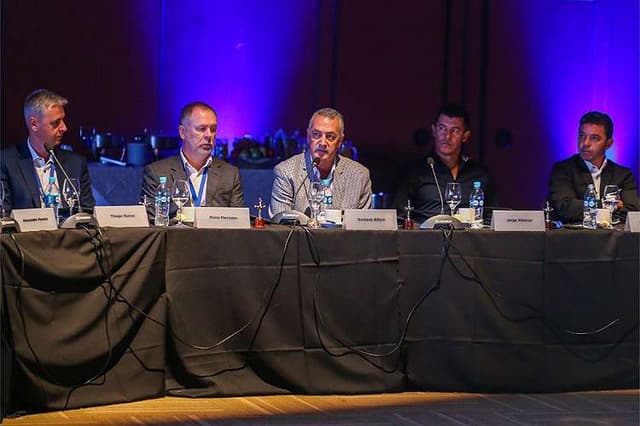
(19,181)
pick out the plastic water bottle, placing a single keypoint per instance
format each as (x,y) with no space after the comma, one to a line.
(52,196)
(327,202)
(476,202)
(590,208)
(163,202)
(328,197)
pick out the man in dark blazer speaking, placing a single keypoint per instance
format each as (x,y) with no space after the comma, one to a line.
(26,167)
(212,182)
(570,177)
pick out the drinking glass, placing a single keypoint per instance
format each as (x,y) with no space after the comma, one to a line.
(453,195)
(316,197)
(180,195)
(610,198)
(71,192)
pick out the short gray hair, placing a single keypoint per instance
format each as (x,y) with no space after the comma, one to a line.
(38,101)
(331,114)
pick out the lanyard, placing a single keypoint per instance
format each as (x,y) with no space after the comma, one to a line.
(314,173)
(39,182)
(203,182)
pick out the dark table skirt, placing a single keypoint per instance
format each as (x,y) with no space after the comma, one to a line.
(212,312)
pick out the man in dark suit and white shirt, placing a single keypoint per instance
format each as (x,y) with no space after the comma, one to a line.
(26,167)
(570,177)
(212,182)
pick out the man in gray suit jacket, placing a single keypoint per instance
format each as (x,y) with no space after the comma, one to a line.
(212,182)
(349,181)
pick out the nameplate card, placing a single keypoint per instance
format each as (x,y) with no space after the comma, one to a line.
(633,222)
(517,220)
(370,219)
(35,219)
(222,217)
(333,215)
(121,216)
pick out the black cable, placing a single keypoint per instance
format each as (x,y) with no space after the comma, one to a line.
(49,376)
(98,244)
(264,310)
(20,311)
(259,315)
(552,325)
(492,294)
(447,235)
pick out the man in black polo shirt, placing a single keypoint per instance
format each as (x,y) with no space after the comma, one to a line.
(451,132)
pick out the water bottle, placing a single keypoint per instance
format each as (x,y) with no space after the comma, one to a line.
(590,208)
(327,202)
(328,197)
(52,196)
(163,202)
(476,202)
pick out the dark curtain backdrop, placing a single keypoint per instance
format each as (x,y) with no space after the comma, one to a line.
(386,66)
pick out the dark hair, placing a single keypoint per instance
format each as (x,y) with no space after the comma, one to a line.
(454,111)
(188,109)
(599,118)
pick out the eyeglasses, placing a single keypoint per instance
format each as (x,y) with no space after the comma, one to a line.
(441,128)
(316,135)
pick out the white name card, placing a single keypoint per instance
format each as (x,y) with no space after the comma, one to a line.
(517,220)
(380,219)
(633,222)
(121,216)
(35,219)
(222,217)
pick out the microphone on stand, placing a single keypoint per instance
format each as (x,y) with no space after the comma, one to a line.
(430,162)
(80,217)
(316,161)
(7,224)
(441,221)
(294,217)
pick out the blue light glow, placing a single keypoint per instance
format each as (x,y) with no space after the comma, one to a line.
(240,56)
(584,56)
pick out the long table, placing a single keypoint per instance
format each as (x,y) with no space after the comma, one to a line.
(95,317)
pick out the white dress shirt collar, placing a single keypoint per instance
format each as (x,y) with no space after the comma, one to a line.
(595,174)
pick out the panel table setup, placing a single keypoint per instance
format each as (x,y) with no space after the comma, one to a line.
(107,314)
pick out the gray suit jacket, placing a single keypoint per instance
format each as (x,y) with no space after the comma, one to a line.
(223,183)
(351,185)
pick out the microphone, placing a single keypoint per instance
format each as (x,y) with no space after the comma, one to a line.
(6,223)
(441,221)
(293,217)
(316,161)
(430,162)
(79,217)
